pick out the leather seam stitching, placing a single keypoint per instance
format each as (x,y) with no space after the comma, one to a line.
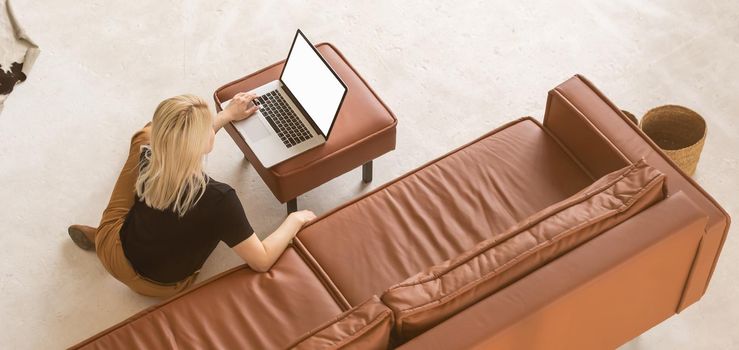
(321,274)
(686,284)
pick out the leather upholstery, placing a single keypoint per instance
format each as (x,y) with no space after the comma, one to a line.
(364,130)
(615,287)
(442,209)
(577,110)
(366,326)
(240,309)
(441,291)
(598,295)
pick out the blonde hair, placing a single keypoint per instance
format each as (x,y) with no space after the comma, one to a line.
(171,176)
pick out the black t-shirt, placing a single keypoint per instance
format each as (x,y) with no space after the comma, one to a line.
(165,248)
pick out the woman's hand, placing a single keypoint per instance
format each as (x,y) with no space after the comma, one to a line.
(302,217)
(241,107)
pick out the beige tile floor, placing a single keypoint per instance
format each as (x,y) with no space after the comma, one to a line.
(450,72)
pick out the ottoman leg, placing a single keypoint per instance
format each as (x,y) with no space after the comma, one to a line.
(367,172)
(292,205)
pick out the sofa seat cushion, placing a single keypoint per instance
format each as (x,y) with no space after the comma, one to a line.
(441,291)
(365,326)
(441,209)
(240,309)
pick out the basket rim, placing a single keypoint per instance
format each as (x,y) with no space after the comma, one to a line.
(650,114)
(693,115)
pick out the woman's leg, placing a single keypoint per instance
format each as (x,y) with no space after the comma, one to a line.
(122,198)
(107,238)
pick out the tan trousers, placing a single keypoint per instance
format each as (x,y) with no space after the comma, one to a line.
(108,240)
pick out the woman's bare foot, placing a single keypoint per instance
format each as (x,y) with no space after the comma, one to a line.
(83,236)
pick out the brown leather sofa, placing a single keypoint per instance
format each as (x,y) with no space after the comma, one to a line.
(578,233)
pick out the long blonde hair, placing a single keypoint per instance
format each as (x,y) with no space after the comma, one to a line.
(171,176)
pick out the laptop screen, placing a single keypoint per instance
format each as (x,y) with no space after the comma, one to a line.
(313,83)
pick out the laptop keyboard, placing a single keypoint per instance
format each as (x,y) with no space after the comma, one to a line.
(283,120)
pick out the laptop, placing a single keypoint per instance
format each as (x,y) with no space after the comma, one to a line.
(297,111)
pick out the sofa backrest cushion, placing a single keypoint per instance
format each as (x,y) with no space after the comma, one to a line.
(441,291)
(366,326)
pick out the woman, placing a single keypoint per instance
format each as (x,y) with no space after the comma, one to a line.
(166,215)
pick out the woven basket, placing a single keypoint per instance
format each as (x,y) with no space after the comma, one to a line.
(679,132)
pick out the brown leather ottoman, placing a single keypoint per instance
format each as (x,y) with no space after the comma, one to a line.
(364,130)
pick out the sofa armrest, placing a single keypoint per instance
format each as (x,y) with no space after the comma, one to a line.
(601,139)
(591,149)
(600,295)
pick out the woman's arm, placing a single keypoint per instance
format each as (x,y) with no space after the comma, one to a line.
(240,108)
(261,255)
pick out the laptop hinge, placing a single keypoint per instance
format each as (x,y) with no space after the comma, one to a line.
(302,110)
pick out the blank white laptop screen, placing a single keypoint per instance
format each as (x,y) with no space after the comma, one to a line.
(313,84)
